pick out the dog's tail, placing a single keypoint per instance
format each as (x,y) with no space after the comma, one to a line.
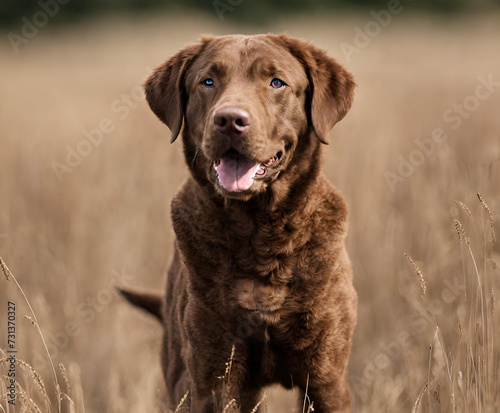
(151,301)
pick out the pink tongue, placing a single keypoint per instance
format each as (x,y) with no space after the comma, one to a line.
(236,172)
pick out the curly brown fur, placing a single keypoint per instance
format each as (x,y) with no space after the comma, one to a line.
(263,268)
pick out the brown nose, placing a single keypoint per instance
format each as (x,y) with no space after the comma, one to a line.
(232,121)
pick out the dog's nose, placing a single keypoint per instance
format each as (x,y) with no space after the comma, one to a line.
(232,121)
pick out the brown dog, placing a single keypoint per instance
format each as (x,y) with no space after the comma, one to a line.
(260,262)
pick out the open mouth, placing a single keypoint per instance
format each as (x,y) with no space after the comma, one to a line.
(237,173)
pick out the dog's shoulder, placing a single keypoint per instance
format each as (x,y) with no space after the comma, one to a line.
(189,203)
(331,210)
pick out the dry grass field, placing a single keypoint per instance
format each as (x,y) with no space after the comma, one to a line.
(424,132)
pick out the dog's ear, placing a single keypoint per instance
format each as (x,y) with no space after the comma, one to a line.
(150,301)
(331,87)
(165,90)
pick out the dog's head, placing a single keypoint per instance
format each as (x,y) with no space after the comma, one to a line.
(251,106)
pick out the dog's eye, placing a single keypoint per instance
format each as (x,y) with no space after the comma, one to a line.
(277,83)
(208,83)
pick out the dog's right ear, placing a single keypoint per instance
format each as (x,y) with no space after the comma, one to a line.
(165,90)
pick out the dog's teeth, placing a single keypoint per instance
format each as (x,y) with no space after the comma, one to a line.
(271,161)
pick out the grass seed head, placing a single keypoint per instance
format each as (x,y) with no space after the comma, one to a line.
(65,378)
(419,274)
(229,405)
(5,270)
(37,378)
(490,217)
(462,236)
(465,208)
(181,402)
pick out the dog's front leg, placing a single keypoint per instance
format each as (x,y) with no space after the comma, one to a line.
(334,397)
(201,402)
(220,379)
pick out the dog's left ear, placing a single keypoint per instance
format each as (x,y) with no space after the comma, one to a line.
(331,87)
(165,91)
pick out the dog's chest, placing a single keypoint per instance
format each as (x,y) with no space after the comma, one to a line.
(262,266)
(256,261)
(262,246)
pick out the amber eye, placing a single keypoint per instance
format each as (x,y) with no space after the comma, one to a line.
(277,83)
(208,83)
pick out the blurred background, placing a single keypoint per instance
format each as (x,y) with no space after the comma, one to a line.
(256,12)
(87,174)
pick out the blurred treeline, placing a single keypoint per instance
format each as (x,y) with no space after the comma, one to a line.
(250,11)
